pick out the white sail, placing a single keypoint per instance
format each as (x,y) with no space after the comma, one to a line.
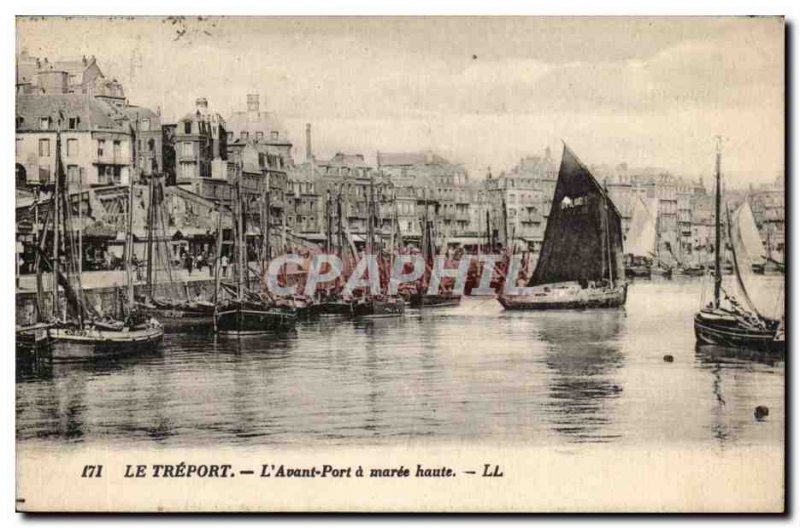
(747,231)
(745,255)
(641,239)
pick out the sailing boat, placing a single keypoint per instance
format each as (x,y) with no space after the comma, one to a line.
(580,264)
(376,305)
(87,334)
(247,313)
(421,298)
(752,246)
(734,325)
(640,246)
(167,309)
(330,301)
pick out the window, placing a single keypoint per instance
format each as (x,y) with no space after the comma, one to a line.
(117,148)
(187,127)
(44,123)
(72,148)
(20,121)
(144,126)
(44,148)
(73,174)
(187,148)
(243,135)
(274,135)
(73,122)
(101,145)
(187,170)
(259,136)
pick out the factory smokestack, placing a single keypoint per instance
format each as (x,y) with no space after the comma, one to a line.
(309,152)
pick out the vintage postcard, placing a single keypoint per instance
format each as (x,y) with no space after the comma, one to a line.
(400,264)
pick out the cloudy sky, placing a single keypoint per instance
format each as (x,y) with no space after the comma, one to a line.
(481,91)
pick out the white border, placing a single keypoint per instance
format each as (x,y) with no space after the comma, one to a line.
(320,7)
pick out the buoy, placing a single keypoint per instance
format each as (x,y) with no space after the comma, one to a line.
(668,358)
(761,412)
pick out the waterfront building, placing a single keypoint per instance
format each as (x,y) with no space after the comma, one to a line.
(768,203)
(96,140)
(435,181)
(196,153)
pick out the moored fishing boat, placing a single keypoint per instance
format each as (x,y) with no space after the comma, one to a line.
(80,331)
(725,321)
(379,306)
(247,313)
(640,244)
(580,264)
(74,341)
(433,300)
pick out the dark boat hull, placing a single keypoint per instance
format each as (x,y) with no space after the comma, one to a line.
(332,308)
(376,308)
(730,332)
(252,321)
(638,271)
(33,339)
(566,298)
(694,272)
(434,301)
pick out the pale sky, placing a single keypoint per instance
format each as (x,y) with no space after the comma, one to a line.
(480,91)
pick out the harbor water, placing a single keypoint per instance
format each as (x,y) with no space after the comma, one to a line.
(472,373)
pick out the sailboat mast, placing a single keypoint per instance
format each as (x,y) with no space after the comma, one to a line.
(150,221)
(241,258)
(608,244)
(370,220)
(718,229)
(218,255)
(56,221)
(129,240)
(267,228)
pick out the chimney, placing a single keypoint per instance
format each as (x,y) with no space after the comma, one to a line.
(309,152)
(202,105)
(53,82)
(252,103)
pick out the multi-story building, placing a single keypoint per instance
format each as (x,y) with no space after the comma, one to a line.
(37,76)
(519,200)
(196,152)
(436,182)
(147,137)
(95,137)
(305,207)
(769,210)
(684,191)
(263,128)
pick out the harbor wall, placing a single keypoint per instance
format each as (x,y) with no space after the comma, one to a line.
(106,300)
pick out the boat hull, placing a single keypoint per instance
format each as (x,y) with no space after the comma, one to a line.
(566,297)
(711,329)
(637,271)
(87,343)
(332,308)
(378,308)
(239,322)
(434,301)
(33,339)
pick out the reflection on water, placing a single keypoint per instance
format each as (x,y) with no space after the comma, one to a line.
(471,373)
(583,360)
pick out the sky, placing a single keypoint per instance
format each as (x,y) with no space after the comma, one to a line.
(482,92)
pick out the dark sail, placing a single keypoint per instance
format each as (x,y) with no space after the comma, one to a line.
(583,237)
